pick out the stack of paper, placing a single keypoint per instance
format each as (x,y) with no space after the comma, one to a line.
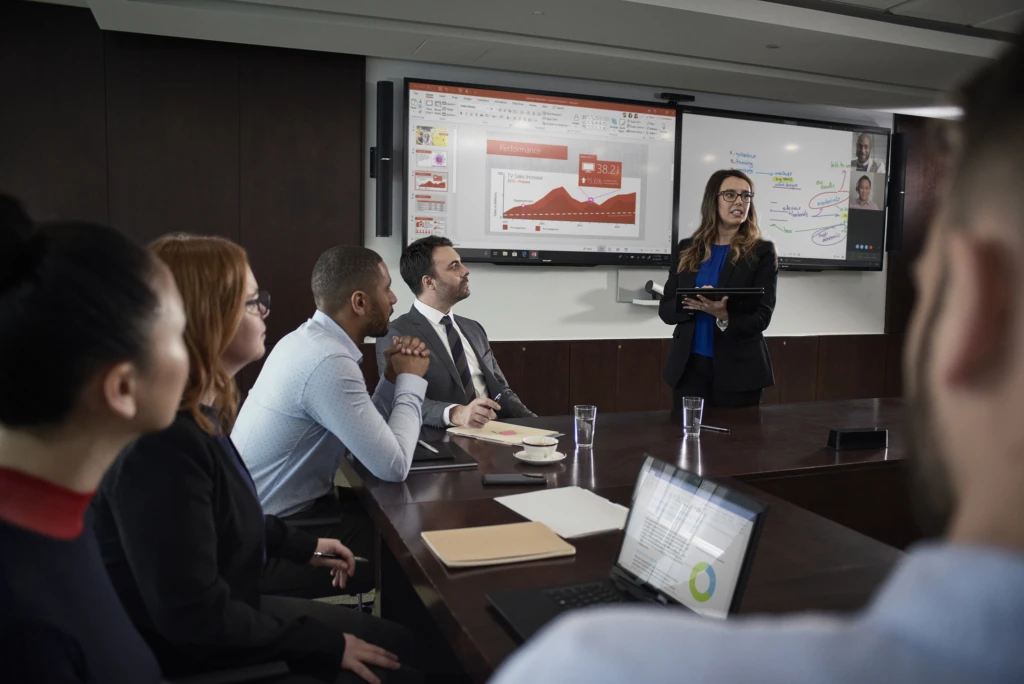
(502,433)
(570,511)
(496,544)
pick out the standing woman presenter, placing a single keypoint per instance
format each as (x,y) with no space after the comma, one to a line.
(718,348)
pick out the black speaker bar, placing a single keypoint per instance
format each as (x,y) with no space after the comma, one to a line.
(381,156)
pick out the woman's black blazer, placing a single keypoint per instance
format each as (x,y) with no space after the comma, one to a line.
(741,357)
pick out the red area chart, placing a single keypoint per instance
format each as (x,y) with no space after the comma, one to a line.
(559,205)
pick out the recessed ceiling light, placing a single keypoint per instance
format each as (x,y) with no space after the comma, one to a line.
(537,12)
(772,46)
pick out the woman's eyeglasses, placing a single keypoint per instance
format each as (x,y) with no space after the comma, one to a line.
(731,195)
(260,305)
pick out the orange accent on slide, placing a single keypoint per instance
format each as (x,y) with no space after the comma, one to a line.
(532,150)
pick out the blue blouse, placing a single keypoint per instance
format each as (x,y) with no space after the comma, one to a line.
(704,333)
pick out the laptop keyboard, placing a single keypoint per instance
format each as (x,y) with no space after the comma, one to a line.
(581,595)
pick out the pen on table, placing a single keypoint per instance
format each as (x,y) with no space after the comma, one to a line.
(712,428)
(427,446)
(334,556)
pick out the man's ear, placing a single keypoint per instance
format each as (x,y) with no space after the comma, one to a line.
(427,282)
(981,270)
(359,302)
(118,390)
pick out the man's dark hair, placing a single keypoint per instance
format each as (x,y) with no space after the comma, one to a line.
(418,261)
(863,178)
(339,272)
(74,298)
(989,138)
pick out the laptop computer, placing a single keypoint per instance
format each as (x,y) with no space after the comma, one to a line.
(688,543)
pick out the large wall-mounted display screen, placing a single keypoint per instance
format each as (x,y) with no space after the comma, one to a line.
(514,176)
(819,188)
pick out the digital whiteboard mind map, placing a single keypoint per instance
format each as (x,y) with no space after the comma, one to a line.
(801,175)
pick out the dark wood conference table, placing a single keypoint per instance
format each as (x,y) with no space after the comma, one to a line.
(804,561)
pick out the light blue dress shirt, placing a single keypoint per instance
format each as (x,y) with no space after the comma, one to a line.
(309,404)
(947,615)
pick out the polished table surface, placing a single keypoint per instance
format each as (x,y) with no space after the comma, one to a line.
(803,561)
(767,440)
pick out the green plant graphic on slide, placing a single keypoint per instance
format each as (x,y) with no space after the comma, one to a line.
(698,595)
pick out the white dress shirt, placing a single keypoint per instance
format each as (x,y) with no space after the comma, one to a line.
(872,165)
(947,615)
(435,316)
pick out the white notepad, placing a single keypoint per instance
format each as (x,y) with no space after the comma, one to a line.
(570,511)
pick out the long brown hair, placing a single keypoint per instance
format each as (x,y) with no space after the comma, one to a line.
(211,276)
(746,238)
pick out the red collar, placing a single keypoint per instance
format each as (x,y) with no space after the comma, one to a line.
(41,506)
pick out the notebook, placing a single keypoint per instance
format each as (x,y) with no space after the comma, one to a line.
(570,511)
(472,547)
(501,433)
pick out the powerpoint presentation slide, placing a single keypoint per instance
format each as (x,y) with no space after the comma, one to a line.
(428,225)
(867,191)
(869,153)
(434,136)
(577,188)
(431,159)
(430,204)
(435,181)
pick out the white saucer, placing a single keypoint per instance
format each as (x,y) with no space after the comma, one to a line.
(521,455)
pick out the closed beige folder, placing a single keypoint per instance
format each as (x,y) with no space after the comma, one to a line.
(496,544)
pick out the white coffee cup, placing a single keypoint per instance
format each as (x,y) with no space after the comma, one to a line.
(540,448)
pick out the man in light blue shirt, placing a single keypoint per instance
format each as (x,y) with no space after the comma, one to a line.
(953,612)
(310,404)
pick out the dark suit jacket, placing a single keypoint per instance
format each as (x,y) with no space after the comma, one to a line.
(742,362)
(182,536)
(444,387)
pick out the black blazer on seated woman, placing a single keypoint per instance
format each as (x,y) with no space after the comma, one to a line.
(183,539)
(741,355)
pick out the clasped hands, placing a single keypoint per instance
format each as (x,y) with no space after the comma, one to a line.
(406,355)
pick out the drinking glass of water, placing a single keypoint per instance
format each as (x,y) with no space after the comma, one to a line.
(586,416)
(693,411)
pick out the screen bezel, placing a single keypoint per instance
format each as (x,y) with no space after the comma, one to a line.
(555,258)
(807,264)
(752,505)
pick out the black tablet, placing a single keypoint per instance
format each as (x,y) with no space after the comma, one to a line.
(716,293)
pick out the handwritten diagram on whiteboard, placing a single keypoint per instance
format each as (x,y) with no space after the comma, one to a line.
(801,180)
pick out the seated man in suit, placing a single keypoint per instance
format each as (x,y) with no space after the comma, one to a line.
(464,380)
(310,404)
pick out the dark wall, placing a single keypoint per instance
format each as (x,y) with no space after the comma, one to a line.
(154,135)
(625,375)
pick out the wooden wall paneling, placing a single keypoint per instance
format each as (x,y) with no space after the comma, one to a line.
(664,391)
(301,168)
(593,373)
(925,171)
(850,367)
(172,133)
(543,385)
(795,360)
(53,154)
(638,376)
(511,358)
(894,365)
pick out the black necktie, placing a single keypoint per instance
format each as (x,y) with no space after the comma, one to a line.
(459,357)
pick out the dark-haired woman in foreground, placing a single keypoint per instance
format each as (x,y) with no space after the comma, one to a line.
(718,348)
(181,528)
(91,356)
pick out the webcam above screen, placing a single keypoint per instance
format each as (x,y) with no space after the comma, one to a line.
(530,177)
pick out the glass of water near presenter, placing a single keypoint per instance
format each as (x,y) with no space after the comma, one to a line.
(718,349)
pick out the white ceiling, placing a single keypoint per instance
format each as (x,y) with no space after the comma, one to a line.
(687,45)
